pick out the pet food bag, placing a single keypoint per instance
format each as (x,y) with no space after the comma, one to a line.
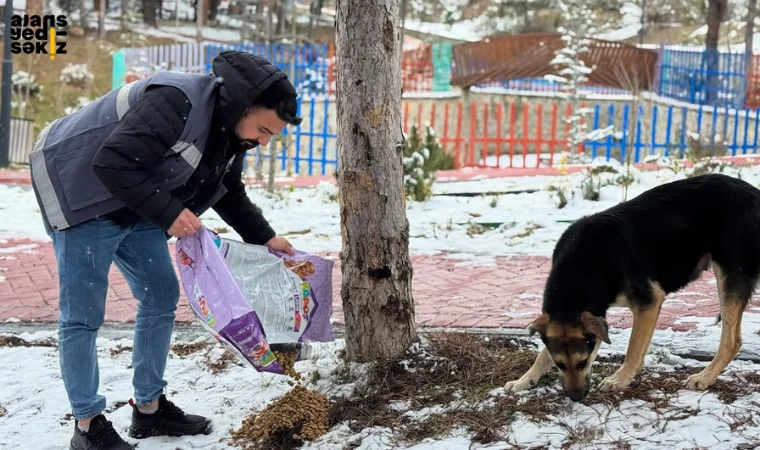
(253,299)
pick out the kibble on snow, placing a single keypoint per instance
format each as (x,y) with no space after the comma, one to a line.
(301,414)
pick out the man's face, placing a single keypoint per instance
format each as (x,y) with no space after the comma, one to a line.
(259,126)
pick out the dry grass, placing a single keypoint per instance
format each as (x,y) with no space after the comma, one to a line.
(455,378)
(15,341)
(460,371)
(214,365)
(119,349)
(183,350)
(80,50)
(221,364)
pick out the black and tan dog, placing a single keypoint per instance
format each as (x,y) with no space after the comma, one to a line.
(634,254)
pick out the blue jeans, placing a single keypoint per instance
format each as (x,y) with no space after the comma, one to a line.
(84,254)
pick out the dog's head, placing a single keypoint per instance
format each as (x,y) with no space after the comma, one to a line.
(573,347)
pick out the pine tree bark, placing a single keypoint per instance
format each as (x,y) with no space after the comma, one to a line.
(377,273)
(282,17)
(315,12)
(149,12)
(716,12)
(749,29)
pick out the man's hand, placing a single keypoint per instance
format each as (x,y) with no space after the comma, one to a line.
(186,224)
(280,244)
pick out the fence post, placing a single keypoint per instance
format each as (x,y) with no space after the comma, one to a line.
(657,85)
(119,72)
(746,70)
(469,146)
(441,67)
(272,163)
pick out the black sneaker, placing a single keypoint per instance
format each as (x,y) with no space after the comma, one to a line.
(169,420)
(100,436)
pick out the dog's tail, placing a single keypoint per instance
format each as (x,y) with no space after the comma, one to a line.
(717,319)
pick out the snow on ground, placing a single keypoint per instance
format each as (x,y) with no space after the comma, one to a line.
(516,215)
(37,407)
(630,24)
(466,30)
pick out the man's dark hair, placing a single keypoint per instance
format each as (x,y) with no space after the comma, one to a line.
(286,109)
(281,97)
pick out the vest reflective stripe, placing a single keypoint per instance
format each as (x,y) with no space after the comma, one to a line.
(42,183)
(68,191)
(190,153)
(122,99)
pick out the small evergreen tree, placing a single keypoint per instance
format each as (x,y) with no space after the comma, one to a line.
(573,73)
(422,159)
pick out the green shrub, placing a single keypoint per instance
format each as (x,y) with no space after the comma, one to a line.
(422,159)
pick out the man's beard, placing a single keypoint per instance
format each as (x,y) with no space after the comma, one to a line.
(240,145)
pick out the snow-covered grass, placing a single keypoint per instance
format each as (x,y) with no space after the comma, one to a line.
(630,24)
(37,408)
(310,217)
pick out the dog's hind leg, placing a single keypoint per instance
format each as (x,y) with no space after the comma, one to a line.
(644,323)
(732,304)
(539,368)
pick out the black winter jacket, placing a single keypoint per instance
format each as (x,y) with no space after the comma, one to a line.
(148,129)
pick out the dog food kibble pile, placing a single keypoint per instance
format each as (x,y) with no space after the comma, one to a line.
(300,415)
(287,361)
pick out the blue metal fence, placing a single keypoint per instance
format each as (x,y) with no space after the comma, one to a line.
(685,74)
(701,76)
(671,130)
(544,85)
(321,144)
(307,65)
(311,147)
(689,74)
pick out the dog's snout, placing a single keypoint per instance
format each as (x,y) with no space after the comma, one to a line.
(576,395)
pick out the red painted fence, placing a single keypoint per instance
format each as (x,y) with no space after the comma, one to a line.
(499,131)
(416,69)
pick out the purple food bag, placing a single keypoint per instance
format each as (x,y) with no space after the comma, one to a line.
(252,299)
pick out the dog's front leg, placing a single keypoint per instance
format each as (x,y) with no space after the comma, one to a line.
(539,368)
(644,323)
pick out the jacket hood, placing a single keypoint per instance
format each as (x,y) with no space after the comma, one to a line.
(242,77)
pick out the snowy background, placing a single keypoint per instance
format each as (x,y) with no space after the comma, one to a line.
(309,217)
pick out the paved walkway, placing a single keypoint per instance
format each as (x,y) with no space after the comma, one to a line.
(446,294)
(507,295)
(467,174)
(22,176)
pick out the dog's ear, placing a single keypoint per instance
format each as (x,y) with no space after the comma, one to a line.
(539,325)
(596,325)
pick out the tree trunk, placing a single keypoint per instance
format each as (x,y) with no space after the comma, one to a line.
(270,25)
(149,13)
(404,8)
(315,10)
(377,273)
(282,17)
(212,9)
(749,29)
(200,15)
(102,18)
(123,15)
(716,11)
